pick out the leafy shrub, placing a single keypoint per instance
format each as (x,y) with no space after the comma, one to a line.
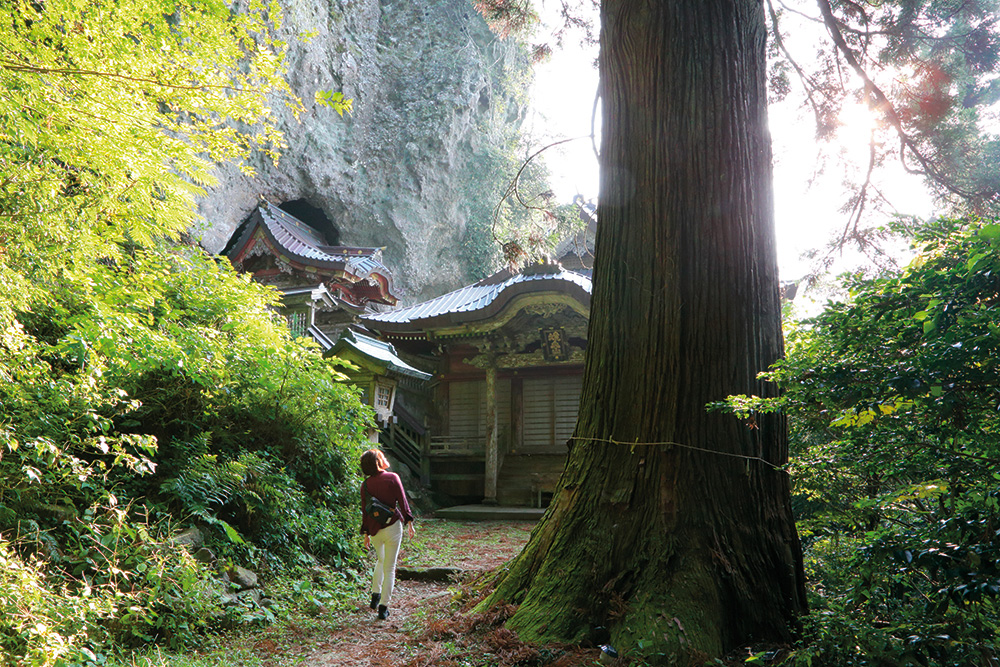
(164,393)
(121,350)
(107,579)
(920,591)
(38,623)
(892,400)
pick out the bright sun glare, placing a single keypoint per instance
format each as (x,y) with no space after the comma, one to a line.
(807,200)
(855,125)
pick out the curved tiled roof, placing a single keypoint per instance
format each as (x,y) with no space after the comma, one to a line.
(379,352)
(302,241)
(483,299)
(305,248)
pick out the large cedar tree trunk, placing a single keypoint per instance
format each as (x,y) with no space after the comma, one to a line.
(690,546)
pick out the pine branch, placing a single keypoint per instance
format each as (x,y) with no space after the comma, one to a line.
(512,188)
(881,102)
(808,84)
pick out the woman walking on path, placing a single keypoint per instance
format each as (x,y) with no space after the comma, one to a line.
(386,538)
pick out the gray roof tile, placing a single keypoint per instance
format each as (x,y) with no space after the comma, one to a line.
(301,240)
(476,297)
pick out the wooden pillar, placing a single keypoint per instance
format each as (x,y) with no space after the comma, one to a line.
(517,413)
(492,442)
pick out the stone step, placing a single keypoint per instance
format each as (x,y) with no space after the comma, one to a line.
(489,513)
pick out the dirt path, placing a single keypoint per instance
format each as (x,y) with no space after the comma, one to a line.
(416,633)
(424,628)
(363,641)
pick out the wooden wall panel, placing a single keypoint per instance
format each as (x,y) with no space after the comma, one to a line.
(550,409)
(467,408)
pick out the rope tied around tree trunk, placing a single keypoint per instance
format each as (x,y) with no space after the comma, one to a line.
(612,441)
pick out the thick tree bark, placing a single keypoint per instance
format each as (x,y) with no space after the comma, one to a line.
(683,541)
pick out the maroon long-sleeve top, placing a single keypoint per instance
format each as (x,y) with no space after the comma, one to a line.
(386,487)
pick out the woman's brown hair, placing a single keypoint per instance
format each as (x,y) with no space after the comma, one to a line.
(373,462)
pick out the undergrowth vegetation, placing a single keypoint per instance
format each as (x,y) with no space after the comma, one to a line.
(894,406)
(186,404)
(145,388)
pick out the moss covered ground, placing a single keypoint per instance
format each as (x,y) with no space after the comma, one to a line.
(431,624)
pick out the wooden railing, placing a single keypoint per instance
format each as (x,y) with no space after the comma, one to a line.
(406,439)
(459,445)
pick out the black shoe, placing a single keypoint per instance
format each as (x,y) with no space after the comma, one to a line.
(375,599)
(383,612)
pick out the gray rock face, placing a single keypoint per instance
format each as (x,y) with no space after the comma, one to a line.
(419,164)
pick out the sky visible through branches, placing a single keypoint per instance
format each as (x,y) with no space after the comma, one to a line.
(809,176)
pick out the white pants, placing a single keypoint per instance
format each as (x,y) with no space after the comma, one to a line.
(386,543)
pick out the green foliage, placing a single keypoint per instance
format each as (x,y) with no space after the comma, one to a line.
(37,622)
(163,386)
(144,386)
(334,100)
(893,400)
(105,577)
(114,113)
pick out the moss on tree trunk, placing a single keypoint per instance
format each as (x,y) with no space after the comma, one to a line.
(686,546)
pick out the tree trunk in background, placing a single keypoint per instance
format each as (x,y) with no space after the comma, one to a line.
(687,547)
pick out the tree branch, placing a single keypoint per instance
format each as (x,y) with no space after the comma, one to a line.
(512,188)
(807,83)
(859,207)
(879,100)
(799,12)
(16,67)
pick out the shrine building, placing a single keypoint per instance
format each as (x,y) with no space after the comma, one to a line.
(324,287)
(477,390)
(506,355)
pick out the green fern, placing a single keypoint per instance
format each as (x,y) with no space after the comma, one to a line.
(206,484)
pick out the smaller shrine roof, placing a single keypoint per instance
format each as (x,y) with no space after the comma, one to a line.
(381,353)
(320,337)
(483,299)
(305,248)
